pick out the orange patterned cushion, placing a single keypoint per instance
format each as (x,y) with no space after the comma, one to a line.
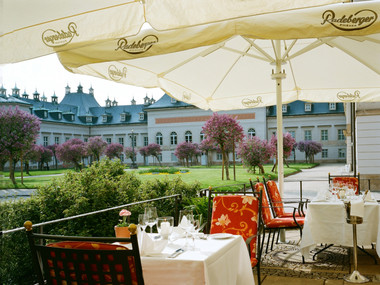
(236,215)
(348,180)
(265,209)
(69,266)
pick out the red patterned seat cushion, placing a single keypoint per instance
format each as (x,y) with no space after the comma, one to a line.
(105,265)
(238,215)
(278,206)
(348,180)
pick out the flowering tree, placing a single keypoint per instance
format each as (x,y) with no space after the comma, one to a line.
(223,130)
(32,154)
(113,150)
(207,146)
(18,131)
(53,148)
(255,152)
(310,148)
(96,147)
(144,152)
(288,144)
(72,151)
(154,150)
(130,152)
(185,151)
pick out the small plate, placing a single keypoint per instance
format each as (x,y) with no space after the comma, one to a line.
(221,236)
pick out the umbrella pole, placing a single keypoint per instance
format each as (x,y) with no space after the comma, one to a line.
(278,76)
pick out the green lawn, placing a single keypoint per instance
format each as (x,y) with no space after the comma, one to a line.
(206,176)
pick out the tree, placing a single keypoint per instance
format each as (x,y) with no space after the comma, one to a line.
(96,147)
(310,148)
(144,152)
(154,150)
(53,148)
(113,150)
(32,154)
(223,130)
(130,152)
(18,132)
(185,151)
(207,146)
(288,144)
(255,152)
(72,151)
(46,156)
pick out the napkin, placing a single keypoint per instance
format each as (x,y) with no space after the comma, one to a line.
(177,233)
(357,208)
(149,246)
(322,195)
(368,197)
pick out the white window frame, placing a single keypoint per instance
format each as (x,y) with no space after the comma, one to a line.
(341,136)
(121,141)
(88,119)
(308,134)
(307,107)
(159,138)
(104,118)
(285,108)
(325,153)
(341,153)
(141,116)
(146,141)
(324,135)
(108,140)
(46,140)
(56,140)
(188,136)
(332,106)
(173,138)
(251,133)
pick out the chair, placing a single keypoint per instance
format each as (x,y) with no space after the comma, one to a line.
(277,202)
(238,213)
(85,260)
(347,180)
(272,224)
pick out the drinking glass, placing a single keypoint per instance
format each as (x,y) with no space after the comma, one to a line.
(186,222)
(165,226)
(142,222)
(151,217)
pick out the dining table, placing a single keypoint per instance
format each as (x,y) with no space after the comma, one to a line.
(325,223)
(219,259)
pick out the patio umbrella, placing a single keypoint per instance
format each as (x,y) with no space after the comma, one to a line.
(320,54)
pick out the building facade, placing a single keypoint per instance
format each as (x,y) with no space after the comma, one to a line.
(169,122)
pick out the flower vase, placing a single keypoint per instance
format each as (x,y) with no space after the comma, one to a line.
(122,232)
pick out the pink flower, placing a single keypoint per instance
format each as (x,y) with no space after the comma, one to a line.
(124,213)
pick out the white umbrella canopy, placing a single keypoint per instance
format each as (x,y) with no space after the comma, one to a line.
(30,29)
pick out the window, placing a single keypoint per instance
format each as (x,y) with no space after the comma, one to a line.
(88,119)
(293,134)
(66,139)
(307,107)
(108,140)
(188,136)
(341,136)
(325,153)
(219,156)
(202,136)
(146,141)
(104,118)
(285,108)
(307,135)
(45,114)
(59,116)
(342,153)
(332,106)
(159,138)
(142,117)
(46,141)
(121,141)
(122,117)
(72,117)
(173,157)
(251,133)
(56,140)
(173,138)
(324,135)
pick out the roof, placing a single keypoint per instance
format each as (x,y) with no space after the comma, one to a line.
(297,108)
(167,102)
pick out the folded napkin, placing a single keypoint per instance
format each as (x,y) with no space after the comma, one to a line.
(357,208)
(368,197)
(148,246)
(177,233)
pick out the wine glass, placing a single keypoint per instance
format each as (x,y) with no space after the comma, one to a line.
(142,222)
(151,217)
(186,222)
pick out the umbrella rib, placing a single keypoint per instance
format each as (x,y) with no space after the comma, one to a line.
(311,46)
(260,50)
(248,54)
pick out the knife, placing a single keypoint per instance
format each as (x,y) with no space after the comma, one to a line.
(176,253)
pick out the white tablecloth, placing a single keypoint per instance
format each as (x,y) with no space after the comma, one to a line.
(215,262)
(325,223)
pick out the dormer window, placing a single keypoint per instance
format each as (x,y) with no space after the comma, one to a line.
(59,116)
(105,118)
(72,117)
(142,116)
(173,100)
(332,106)
(88,119)
(122,117)
(285,108)
(307,107)
(45,114)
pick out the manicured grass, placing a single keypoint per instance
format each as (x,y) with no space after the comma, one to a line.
(206,176)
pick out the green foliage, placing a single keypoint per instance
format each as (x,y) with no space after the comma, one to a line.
(169,170)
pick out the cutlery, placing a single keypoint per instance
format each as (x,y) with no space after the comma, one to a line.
(176,253)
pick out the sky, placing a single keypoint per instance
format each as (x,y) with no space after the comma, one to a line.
(47,75)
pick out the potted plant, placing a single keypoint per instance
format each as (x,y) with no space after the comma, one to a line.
(121,229)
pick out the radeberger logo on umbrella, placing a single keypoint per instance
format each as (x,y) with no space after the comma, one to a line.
(55,38)
(137,47)
(357,21)
(115,73)
(348,97)
(252,102)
